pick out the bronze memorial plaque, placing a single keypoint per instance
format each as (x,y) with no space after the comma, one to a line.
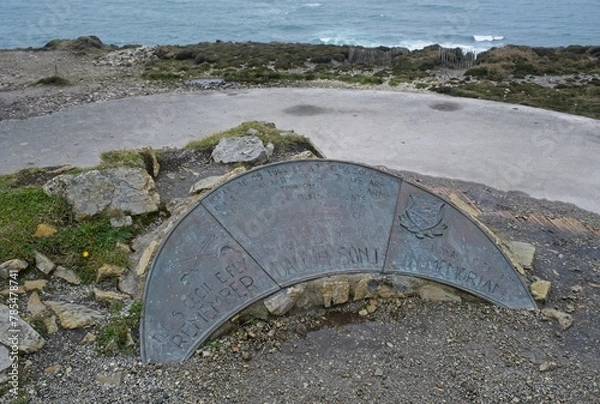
(200,278)
(289,222)
(301,220)
(432,239)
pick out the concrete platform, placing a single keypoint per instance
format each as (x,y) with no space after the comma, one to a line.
(510,147)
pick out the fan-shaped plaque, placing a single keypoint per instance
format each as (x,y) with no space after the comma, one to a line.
(286,223)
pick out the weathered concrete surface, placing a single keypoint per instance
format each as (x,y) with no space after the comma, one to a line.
(543,153)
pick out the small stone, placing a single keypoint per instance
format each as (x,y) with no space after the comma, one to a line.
(245,149)
(270,147)
(38,284)
(283,301)
(305,155)
(547,366)
(206,354)
(372,307)
(108,271)
(363,313)
(43,263)
(378,372)
(121,221)
(28,339)
(35,305)
(110,379)
(74,315)
(577,289)
(335,292)
(524,252)
(146,258)
(432,293)
(362,290)
(540,290)
(564,320)
(89,337)
(7,292)
(385,291)
(11,266)
(50,324)
(52,369)
(44,230)
(129,283)
(123,247)
(252,132)
(205,184)
(109,296)
(67,274)
(246,356)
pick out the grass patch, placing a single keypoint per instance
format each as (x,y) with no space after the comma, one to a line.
(53,81)
(123,158)
(22,209)
(580,100)
(266,133)
(116,334)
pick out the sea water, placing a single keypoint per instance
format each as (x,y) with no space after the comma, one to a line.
(470,24)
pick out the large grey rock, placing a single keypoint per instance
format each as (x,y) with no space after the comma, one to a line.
(245,149)
(124,189)
(14,330)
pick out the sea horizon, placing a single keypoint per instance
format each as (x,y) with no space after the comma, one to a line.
(474,25)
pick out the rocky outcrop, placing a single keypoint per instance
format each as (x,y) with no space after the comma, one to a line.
(245,149)
(123,189)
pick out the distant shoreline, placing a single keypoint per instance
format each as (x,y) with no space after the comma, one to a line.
(68,72)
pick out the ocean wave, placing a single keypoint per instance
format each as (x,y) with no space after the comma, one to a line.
(477,47)
(312,5)
(487,38)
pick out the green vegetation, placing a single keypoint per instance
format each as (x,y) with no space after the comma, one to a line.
(116,334)
(275,63)
(53,81)
(23,208)
(266,133)
(494,71)
(520,61)
(123,158)
(580,100)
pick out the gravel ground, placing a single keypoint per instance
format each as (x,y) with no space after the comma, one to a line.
(408,351)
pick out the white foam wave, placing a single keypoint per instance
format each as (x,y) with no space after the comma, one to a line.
(487,38)
(477,47)
(312,5)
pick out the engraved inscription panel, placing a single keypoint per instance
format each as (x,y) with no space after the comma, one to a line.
(200,278)
(285,223)
(432,239)
(304,219)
